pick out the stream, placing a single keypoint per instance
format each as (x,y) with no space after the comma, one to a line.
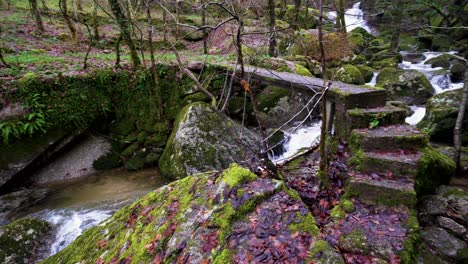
(76,206)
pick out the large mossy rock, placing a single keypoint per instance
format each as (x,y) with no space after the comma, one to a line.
(349,74)
(409,86)
(25,241)
(213,217)
(204,140)
(441,114)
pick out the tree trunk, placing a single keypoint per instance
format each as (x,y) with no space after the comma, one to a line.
(457,132)
(95,21)
(71,26)
(3,60)
(323,155)
(125,28)
(341,15)
(271,10)
(205,35)
(396,24)
(117,51)
(153,63)
(297,9)
(37,15)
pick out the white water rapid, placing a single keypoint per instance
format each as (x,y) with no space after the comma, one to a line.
(302,137)
(354,17)
(438,77)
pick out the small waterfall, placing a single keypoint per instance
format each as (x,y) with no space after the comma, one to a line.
(302,137)
(354,17)
(438,77)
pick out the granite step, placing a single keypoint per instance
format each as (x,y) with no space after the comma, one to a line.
(398,163)
(385,115)
(381,189)
(389,138)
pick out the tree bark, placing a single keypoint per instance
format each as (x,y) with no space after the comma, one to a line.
(153,62)
(297,9)
(37,15)
(271,10)
(68,21)
(79,6)
(95,21)
(125,31)
(205,35)
(323,155)
(457,132)
(341,15)
(396,25)
(3,60)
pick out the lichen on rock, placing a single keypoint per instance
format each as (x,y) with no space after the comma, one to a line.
(204,140)
(218,216)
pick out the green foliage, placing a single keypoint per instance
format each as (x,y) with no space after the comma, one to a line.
(374,123)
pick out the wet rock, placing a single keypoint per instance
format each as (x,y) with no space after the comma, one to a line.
(196,66)
(25,241)
(441,114)
(16,201)
(409,86)
(414,57)
(444,61)
(442,242)
(451,225)
(349,74)
(457,72)
(222,217)
(205,140)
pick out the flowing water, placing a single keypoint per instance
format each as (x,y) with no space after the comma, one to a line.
(77,206)
(354,17)
(299,138)
(438,77)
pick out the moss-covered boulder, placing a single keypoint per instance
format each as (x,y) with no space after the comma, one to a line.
(25,241)
(306,17)
(204,140)
(441,114)
(368,37)
(409,86)
(443,61)
(214,217)
(349,74)
(367,72)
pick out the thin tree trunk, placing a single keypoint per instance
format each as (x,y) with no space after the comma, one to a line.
(323,155)
(177,13)
(341,15)
(297,9)
(117,51)
(71,26)
(457,132)
(165,25)
(205,35)
(125,28)
(271,10)
(3,60)
(153,63)
(396,24)
(95,21)
(37,15)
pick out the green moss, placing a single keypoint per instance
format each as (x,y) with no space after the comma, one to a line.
(349,74)
(367,72)
(320,246)
(410,252)
(434,169)
(337,213)
(20,240)
(236,175)
(301,70)
(347,206)
(357,159)
(356,239)
(270,99)
(356,40)
(305,223)
(224,257)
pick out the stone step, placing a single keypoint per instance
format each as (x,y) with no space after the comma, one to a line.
(389,137)
(386,115)
(382,234)
(398,163)
(380,190)
(351,96)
